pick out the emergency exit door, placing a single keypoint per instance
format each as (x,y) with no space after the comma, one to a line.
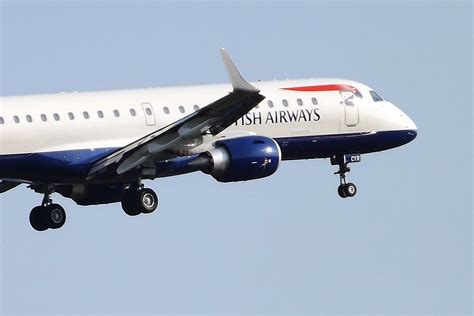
(149,114)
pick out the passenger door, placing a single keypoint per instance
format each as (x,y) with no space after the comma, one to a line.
(149,114)
(351,109)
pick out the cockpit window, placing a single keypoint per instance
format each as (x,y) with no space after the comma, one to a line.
(375,96)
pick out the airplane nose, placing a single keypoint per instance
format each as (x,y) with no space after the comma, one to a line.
(409,123)
(410,126)
(412,134)
(403,126)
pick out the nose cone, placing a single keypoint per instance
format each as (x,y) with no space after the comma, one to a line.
(410,127)
(411,134)
(409,124)
(403,123)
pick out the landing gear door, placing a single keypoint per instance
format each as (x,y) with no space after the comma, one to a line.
(149,114)
(351,108)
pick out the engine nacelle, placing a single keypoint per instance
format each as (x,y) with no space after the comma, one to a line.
(93,194)
(243,158)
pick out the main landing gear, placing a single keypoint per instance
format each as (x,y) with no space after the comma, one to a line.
(345,189)
(137,200)
(47,215)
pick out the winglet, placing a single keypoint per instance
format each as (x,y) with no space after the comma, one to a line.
(238,82)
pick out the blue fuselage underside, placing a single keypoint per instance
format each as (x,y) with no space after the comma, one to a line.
(73,165)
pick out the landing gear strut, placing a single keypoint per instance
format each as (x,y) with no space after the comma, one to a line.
(345,189)
(138,199)
(47,215)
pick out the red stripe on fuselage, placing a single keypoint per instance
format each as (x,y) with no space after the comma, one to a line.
(326,87)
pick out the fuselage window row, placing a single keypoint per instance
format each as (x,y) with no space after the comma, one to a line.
(285,102)
(100,114)
(181,109)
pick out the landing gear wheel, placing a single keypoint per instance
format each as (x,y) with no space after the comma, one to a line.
(350,189)
(148,200)
(341,191)
(129,204)
(57,216)
(47,216)
(139,201)
(37,220)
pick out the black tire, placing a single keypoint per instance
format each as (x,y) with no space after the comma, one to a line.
(129,203)
(350,189)
(56,216)
(341,191)
(37,219)
(148,201)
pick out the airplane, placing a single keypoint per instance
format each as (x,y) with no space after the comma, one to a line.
(98,147)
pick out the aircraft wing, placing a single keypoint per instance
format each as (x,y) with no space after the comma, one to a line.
(165,142)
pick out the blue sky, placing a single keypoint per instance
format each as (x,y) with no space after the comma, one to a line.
(282,245)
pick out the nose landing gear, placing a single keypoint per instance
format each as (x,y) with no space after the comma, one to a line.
(345,189)
(47,215)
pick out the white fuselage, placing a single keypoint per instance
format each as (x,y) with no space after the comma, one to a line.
(91,120)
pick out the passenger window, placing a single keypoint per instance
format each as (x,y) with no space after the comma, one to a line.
(284,102)
(2,121)
(181,109)
(270,103)
(299,101)
(29,119)
(70,115)
(100,114)
(166,110)
(86,115)
(133,112)
(314,101)
(116,113)
(375,96)
(196,107)
(56,117)
(148,111)
(43,117)
(16,119)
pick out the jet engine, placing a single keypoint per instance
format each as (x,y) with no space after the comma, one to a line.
(242,159)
